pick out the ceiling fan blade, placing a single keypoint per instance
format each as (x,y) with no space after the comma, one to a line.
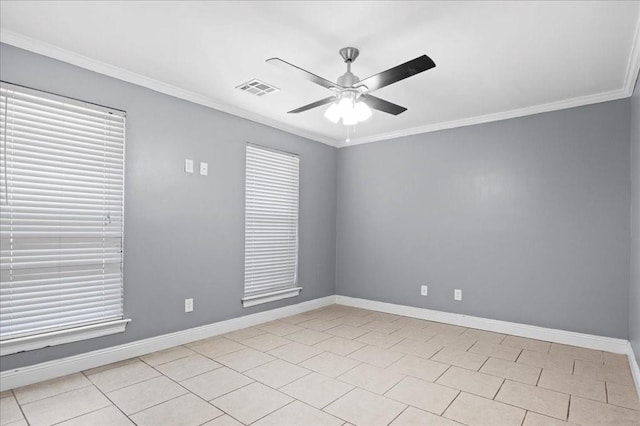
(304,73)
(382,105)
(395,74)
(313,105)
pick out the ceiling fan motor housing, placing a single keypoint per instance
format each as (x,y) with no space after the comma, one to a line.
(348,79)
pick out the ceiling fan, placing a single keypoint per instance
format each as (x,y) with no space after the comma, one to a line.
(352,99)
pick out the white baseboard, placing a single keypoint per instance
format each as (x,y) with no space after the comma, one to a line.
(635,369)
(608,344)
(61,367)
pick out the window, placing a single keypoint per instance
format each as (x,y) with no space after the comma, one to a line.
(61,219)
(271,226)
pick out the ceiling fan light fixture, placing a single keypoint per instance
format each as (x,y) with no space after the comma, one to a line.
(348,109)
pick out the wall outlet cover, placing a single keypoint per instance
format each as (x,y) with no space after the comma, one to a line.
(424,290)
(457,294)
(204,169)
(188,305)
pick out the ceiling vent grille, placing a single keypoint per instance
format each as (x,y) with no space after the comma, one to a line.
(257,87)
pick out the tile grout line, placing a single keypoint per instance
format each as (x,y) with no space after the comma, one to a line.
(443,373)
(13,395)
(198,396)
(192,393)
(51,396)
(524,417)
(105,395)
(129,385)
(399,414)
(506,403)
(344,394)
(224,394)
(498,391)
(155,405)
(84,414)
(483,363)
(271,412)
(450,404)
(539,377)
(170,399)
(176,359)
(215,338)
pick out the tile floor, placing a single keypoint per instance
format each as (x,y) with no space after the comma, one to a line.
(342,366)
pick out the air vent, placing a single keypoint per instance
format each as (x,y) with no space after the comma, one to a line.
(257,87)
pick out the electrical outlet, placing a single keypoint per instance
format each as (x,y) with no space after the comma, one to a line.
(457,294)
(423,290)
(204,169)
(188,305)
(188,166)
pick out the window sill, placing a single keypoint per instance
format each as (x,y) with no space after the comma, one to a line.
(270,297)
(38,341)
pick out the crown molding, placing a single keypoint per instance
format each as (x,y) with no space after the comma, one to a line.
(633,67)
(49,50)
(504,115)
(46,49)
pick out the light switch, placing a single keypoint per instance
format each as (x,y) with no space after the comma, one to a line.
(188,166)
(204,169)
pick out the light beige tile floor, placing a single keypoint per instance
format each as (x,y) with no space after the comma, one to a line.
(342,366)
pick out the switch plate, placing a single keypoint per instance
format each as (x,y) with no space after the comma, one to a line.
(457,294)
(188,166)
(423,290)
(188,305)
(204,169)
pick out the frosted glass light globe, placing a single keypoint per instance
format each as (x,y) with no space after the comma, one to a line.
(345,106)
(333,113)
(362,111)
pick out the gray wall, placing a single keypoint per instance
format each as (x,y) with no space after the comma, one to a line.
(634,295)
(184,234)
(528,216)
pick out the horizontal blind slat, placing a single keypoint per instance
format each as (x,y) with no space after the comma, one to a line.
(39,110)
(34,118)
(59,103)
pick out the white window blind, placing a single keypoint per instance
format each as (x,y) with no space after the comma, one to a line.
(271,225)
(61,200)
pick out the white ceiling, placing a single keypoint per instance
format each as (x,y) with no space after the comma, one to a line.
(494,60)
